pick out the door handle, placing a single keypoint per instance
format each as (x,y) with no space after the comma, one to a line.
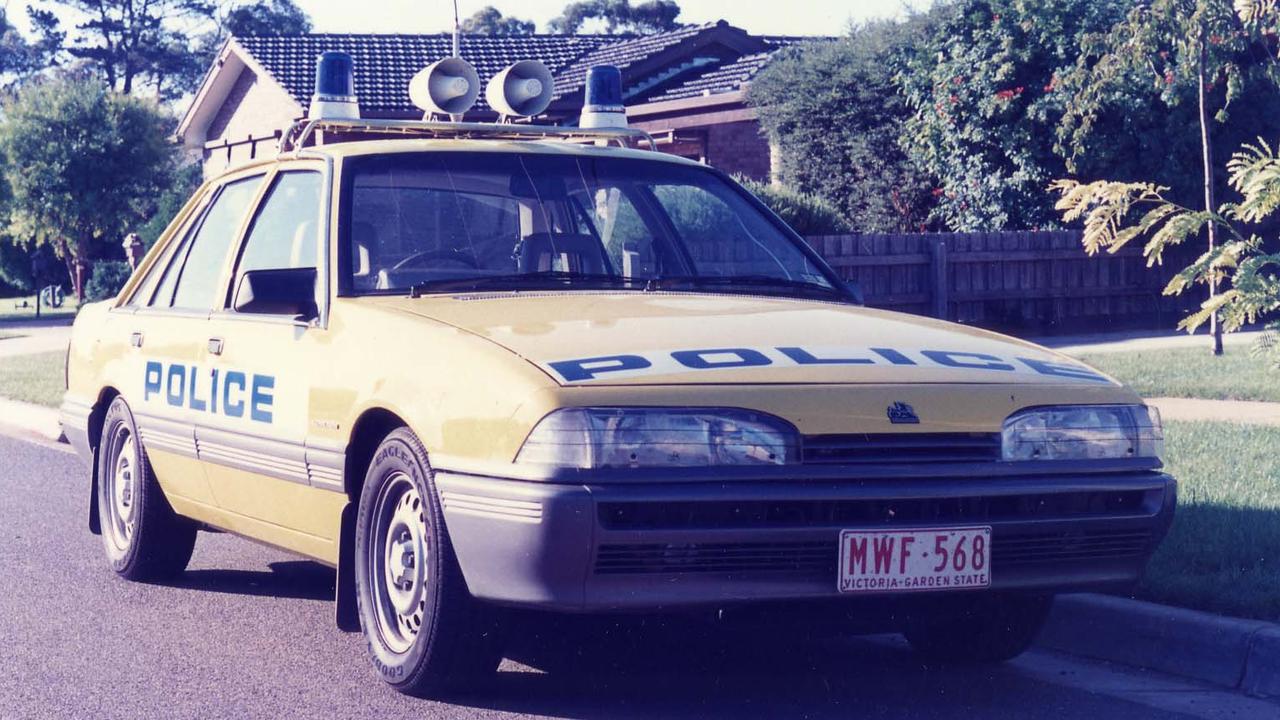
(136,339)
(215,346)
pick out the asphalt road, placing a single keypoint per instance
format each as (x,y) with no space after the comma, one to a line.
(248,632)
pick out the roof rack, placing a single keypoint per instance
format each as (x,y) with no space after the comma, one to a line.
(295,137)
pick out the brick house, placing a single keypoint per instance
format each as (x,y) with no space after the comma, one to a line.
(687,87)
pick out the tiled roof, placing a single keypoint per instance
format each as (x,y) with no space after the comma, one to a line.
(385,63)
(623,54)
(722,79)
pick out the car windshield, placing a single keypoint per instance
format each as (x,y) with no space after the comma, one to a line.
(450,221)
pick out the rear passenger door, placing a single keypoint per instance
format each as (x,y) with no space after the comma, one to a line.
(167,331)
(265,465)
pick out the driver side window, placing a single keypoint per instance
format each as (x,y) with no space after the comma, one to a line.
(285,233)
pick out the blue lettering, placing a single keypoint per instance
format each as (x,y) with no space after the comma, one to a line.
(1078,372)
(893,356)
(213,391)
(233,408)
(151,382)
(803,357)
(588,368)
(974,361)
(174,391)
(262,398)
(194,402)
(742,357)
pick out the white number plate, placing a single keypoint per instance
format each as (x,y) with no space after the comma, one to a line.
(914,560)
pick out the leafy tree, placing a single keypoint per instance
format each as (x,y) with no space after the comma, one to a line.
(109,277)
(1117,213)
(81,162)
(806,213)
(267,17)
(617,16)
(488,20)
(137,43)
(183,182)
(834,112)
(1199,58)
(18,56)
(985,106)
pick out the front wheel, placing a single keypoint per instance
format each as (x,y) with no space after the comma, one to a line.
(143,537)
(425,632)
(981,629)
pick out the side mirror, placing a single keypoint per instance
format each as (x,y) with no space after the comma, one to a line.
(289,292)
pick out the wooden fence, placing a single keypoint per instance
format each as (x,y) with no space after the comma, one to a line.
(1038,282)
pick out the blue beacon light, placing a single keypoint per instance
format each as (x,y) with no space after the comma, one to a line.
(603,106)
(334,97)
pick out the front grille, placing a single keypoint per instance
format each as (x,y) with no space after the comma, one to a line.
(896,448)
(740,514)
(817,559)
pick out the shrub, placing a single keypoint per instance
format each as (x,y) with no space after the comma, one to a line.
(806,213)
(109,277)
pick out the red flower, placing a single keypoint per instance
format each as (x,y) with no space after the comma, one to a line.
(957,80)
(937,192)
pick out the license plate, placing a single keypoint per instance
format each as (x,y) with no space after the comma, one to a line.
(914,560)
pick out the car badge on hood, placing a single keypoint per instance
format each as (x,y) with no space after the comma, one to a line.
(901,413)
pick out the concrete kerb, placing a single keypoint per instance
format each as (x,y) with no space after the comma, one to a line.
(1228,652)
(33,420)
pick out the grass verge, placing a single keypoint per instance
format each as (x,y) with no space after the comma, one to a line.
(11,309)
(1222,554)
(33,378)
(1192,373)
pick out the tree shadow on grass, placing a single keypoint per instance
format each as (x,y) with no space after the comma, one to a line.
(298,579)
(1219,558)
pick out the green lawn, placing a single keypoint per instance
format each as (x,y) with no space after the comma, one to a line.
(1223,551)
(10,309)
(1192,373)
(33,378)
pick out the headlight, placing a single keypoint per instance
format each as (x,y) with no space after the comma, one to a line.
(1073,432)
(659,437)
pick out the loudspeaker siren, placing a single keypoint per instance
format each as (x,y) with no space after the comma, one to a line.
(522,89)
(449,86)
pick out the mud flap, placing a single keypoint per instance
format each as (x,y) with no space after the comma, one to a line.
(95,522)
(345,611)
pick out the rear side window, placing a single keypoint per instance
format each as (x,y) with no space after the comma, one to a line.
(285,233)
(192,278)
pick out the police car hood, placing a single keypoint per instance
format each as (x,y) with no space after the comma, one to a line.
(592,338)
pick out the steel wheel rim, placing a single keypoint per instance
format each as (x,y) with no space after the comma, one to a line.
(121,491)
(397,555)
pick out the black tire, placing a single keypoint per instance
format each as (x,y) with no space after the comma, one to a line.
(426,634)
(143,537)
(984,629)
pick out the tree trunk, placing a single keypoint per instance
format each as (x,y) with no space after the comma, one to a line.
(1215,327)
(75,268)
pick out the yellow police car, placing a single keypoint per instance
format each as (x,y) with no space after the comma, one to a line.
(482,367)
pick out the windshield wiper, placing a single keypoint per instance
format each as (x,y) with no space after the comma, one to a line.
(753,282)
(522,281)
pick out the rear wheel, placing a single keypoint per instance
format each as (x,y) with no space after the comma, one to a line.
(425,632)
(143,537)
(984,629)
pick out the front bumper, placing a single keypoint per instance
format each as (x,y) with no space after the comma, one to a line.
(591,547)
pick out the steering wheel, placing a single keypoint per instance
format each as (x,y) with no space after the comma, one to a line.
(461,257)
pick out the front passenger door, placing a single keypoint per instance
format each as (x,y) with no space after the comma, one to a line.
(263,468)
